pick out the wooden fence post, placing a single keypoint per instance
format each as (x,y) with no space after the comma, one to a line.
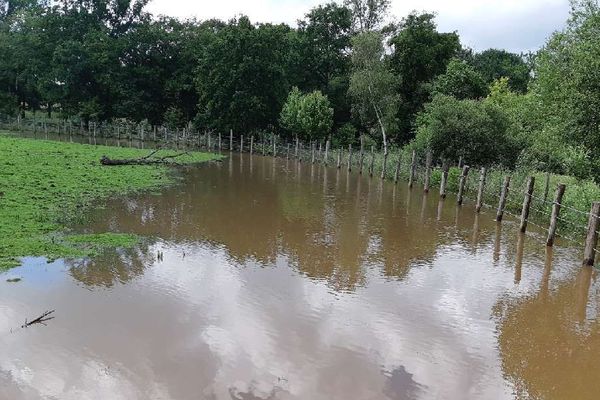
(296,154)
(560,191)
(480,190)
(462,183)
(231,140)
(251,144)
(274,145)
(219,139)
(591,240)
(372,166)
(384,166)
(398,166)
(339,160)
(413,166)
(241,143)
(326,159)
(360,161)
(503,198)
(547,187)
(312,152)
(350,157)
(427,180)
(444,180)
(527,203)
(320,154)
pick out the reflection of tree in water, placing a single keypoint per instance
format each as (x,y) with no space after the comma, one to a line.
(334,226)
(112,266)
(549,348)
(400,385)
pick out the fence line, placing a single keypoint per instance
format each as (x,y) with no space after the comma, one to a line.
(509,196)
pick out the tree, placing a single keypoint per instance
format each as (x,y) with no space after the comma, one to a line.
(494,64)
(372,86)
(567,80)
(420,53)
(241,77)
(475,130)
(309,116)
(320,59)
(460,81)
(367,15)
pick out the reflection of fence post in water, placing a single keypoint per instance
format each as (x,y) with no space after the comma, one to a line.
(423,207)
(519,261)
(503,198)
(527,203)
(497,241)
(582,287)
(440,208)
(560,191)
(461,186)
(547,273)
(475,240)
(592,235)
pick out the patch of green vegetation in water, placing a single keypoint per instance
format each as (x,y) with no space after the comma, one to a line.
(46,186)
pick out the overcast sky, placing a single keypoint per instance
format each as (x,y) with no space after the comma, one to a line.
(515,25)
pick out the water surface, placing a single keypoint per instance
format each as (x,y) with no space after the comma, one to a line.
(281,280)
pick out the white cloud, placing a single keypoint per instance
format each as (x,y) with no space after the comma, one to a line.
(516,25)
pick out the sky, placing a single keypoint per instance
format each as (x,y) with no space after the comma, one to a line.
(514,25)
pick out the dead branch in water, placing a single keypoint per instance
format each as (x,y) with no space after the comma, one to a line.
(146,160)
(39,320)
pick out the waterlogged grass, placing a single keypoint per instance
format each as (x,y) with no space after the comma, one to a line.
(45,186)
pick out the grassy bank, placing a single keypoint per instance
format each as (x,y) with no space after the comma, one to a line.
(45,185)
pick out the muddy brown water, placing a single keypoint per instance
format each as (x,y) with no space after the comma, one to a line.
(281,280)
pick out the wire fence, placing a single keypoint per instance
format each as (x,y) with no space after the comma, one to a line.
(571,222)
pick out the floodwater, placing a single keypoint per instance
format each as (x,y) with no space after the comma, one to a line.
(281,280)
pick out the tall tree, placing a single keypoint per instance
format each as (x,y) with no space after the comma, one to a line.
(368,15)
(420,53)
(241,79)
(372,87)
(461,81)
(494,64)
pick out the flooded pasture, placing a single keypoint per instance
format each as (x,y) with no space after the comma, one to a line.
(271,279)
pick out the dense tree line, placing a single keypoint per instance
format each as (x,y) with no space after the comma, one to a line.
(342,72)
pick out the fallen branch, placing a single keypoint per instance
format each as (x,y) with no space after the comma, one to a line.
(146,160)
(39,320)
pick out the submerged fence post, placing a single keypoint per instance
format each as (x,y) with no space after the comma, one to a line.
(287,156)
(413,166)
(242,144)
(560,191)
(398,165)
(503,198)
(371,167)
(427,179)
(251,144)
(312,152)
(320,154)
(339,160)
(591,240)
(480,190)
(274,145)
(326,159)
(360,161)
(231,140)
(296,154)
(461,186)
(527,203)
(219,140)
(384,166)
(350,157)
(444,180)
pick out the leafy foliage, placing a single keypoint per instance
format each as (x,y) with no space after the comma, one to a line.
(308,116)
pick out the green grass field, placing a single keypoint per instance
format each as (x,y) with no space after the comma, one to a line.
(45,186)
